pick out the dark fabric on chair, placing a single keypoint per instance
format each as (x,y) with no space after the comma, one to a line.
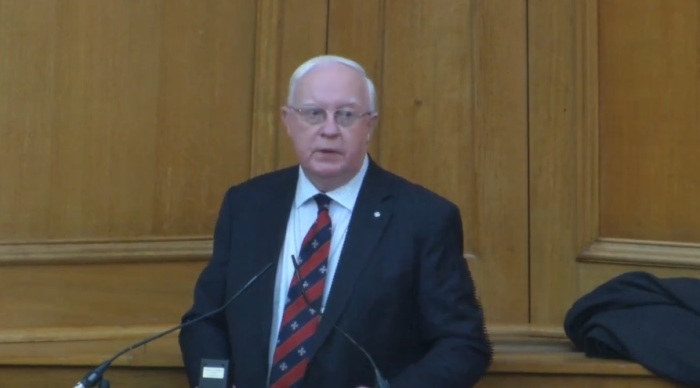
(640,317)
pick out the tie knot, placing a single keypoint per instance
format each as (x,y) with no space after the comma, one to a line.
(323,201)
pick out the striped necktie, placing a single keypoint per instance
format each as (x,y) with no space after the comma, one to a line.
(300,318)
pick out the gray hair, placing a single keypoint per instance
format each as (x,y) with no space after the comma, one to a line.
(305,67)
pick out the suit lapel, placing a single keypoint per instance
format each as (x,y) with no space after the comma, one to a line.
(369,218)
(268,233)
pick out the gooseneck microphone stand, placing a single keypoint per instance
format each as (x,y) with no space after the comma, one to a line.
(95,377)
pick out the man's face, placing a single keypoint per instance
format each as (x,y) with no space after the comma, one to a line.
(330,153)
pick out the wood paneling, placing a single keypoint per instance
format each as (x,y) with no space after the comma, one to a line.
(265,94)
(174,378)
(642,253)
(204,111)
(451,80)
(633,210)
(302,36)
(105,252)
(42,296)
(524,356)
(356,30)
(563,129)
(650,120)
(289,32)
(120,138)
(535,380)
(122,119)
(43,376)
(122,124)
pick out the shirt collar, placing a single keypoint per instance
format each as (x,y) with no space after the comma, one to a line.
(345,195)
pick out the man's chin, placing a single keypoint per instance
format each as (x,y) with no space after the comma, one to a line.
(326,176)
(326,165)
(327,171)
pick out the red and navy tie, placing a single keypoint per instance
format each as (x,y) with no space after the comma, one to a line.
(300,318)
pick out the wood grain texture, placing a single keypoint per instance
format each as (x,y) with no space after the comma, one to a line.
(643,253)
(175,378)
(86,295)
(535,380)
(266,99)
(522,356)
(650,119)
(356,30)
(613,95)
(205,111)
(123,119)
(303,34)
(452,91)
(105,252)
(563,145)
(44,376)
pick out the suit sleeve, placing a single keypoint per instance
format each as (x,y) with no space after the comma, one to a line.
(208,338)
(452,321)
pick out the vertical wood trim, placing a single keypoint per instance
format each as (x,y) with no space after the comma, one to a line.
(265,95)
(563,127)
(378,79)
(587,125)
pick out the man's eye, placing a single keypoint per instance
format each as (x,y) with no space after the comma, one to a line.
(346,113)
(315,112)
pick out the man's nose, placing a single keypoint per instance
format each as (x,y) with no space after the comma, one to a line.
(330,127)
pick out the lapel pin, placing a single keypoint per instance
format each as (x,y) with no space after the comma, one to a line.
(377,214)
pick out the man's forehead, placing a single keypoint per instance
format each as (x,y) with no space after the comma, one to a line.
(340,92)
(339,103)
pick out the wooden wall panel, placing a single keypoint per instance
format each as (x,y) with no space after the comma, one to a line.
(535,380)
(303,35)
(356,30)
(563,145)
(649,120)
(121,126)
(613,128)
(87,295)
(204,112)
(452,98)
(118,377)
(25,102)
(289,32)
(130,120)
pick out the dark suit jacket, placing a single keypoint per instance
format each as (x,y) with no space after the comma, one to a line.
(402,290)
(640,317)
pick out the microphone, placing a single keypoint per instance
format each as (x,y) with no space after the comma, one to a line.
(95,376)
(380,381)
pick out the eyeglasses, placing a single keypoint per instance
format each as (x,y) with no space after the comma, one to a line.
(343,117)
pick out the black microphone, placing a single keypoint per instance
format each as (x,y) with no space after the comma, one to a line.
(380,381)
(95,376)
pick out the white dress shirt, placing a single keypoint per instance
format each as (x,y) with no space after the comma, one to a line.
(302,216)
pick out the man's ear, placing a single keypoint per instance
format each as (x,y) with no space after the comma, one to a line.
(372,124)
(284,115)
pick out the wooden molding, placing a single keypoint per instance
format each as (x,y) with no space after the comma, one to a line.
(101,252)
(563,148)
(266,93)
(642,253)
(63,334)
(585,121)
(533,331)
(518,349)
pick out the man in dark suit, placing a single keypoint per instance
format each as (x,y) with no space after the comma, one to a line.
(353,249)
